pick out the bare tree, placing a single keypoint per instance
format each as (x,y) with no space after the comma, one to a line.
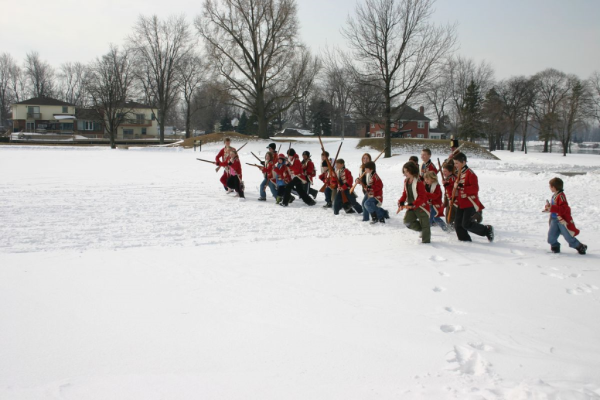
(594,85)
(109,83)
(192,73)
(367,103)
(159,47)
(551,87)
(438,96)
(71,83)
(397,46)
(7,65)
(39,75)
(254,45)
(571,111)
(514,94)
(338,86)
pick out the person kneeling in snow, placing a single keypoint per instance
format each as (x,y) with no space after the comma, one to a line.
(234,182)
(561,222)
(373,195)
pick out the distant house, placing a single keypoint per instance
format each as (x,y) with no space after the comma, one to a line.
(90,123)
(406,123)
(140,122)
(435,133)
(42,115)
(294,132)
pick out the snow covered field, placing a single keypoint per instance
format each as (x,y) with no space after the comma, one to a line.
(130,274)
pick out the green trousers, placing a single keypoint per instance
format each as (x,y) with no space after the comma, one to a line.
(418,220)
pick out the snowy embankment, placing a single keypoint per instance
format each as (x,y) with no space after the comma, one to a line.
(131,275)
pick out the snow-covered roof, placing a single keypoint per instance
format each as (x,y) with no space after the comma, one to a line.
(63,116)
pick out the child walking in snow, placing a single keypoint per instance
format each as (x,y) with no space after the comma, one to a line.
(436,205)
(561,222)
(414,200)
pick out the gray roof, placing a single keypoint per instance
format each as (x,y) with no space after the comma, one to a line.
(46,101)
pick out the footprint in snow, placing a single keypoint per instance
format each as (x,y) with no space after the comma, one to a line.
(468,361)
(451,328)
(517,252)
(481,346)
(438,289)
(444,274)
(582,289)
(453,310)
(437,258)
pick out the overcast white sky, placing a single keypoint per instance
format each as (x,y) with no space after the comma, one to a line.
(518,37)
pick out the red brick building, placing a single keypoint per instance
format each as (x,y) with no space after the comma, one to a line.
(406,123)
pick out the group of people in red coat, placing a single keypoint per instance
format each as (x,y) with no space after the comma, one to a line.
(422,198)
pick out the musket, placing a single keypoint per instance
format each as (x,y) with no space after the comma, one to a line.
(212,162)
(254,165)
(219,167)
(364,172)
(440,166)
(278,150)
(453,196)
(259,160)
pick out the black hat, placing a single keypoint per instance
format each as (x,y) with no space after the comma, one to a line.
(453,143)
(272,146)
(306,153)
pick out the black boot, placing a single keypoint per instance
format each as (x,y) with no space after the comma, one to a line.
(555,249)
(382,220)
(581,249)
(374,218)
(490,233)
(327,205)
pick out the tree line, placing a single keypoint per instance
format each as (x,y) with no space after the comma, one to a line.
(245,59)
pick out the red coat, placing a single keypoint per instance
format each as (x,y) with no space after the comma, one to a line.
(222,157)
(468,193)
(283,173)
(267,169)
(235,167)
(309,170)
(563,212)
(374,186)
(428,166)
(344,178)
(296,169)
(449,186)
(418,188)
(434,195)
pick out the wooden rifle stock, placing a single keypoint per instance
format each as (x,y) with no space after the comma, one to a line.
(453,196)
(211,162)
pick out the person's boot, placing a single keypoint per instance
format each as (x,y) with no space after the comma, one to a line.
(313,193)
(490,233)
(374,218)
(581,249)
(278,200)
(262,199)
(292,198)
(386,214)
(555,249)
(311,202)
(382,220)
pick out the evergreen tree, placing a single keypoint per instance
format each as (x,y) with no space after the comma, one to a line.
(493,123)
(321,118)
(252,125)
(243,125)
(226,124)
(471,112)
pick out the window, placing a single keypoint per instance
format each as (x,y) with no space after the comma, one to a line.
(65,110)
(143,131)
(66,126)
(127,132)
(420,136)
(33,112)
(408,135)
(421,124)
(140,118)
(372,125)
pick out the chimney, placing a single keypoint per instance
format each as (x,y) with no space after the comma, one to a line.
(422,110)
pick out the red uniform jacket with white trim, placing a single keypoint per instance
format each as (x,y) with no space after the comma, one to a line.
(434,195)
(563,212)
(374,186)
(222,157)
(309,170)
(468,191)
(428,166)
(267,169)
(283,173)
(449,186)
(344,178)
(296,170)
(418,189)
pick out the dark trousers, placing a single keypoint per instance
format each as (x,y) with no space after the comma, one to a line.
(310,190)
(464,224)
(233,182)
(296,184)
(328,195)
(337,204)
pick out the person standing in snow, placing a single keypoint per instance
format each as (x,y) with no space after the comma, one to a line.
(222,159)
(561,222)
(234,167)
(467,197)
(414,201)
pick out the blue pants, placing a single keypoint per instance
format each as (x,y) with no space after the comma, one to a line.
(328,193)
(439,220)
(557,229)
(337,204)
(272,187)
(370,206)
